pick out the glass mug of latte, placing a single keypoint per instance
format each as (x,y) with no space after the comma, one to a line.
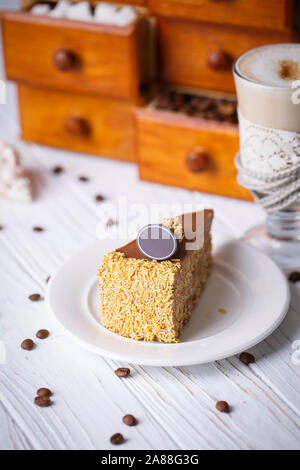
(267,83)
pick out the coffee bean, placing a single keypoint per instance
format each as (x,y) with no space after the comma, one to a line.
(246,358)
(117,439)
(163,102)
(129,420)
(42,401)
(122,372)
(99,198)
(294,276)
(199,106)
(85,179)
(42,334)
(27,344)
(111,222)
(57,170)
(1,227)
(48,279)
(44,392)
(34,297)
(222,406)
(38,229)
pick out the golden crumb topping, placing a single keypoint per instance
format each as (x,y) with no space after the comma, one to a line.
(137,296)
(174,224)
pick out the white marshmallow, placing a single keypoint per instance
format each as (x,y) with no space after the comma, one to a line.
(60,10)
(40,9)
(14,181)
(124,16)
(104,13)
(79,11)
(20,190)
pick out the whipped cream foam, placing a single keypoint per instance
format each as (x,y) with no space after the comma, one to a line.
(274,65)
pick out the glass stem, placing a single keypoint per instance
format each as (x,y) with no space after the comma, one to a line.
(285,224)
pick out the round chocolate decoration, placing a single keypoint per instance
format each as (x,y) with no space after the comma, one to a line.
(157,242)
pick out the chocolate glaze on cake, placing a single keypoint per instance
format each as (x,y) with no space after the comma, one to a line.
(189,225)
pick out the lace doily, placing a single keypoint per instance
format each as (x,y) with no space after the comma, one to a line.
(269,164)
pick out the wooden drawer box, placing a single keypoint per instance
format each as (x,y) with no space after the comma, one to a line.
(255,13)
(201,55)
(76,55)
(166,140)
(83,123)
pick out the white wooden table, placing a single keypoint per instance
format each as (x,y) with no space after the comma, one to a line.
(175,406)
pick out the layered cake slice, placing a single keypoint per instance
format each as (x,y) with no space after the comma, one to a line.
(148,299)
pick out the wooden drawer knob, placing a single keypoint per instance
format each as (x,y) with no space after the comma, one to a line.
(197,161)
(76,126)
(65,60)
(219,60)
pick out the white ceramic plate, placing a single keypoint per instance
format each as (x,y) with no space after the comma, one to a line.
(244,282)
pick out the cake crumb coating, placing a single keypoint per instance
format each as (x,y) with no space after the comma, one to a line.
(137,297)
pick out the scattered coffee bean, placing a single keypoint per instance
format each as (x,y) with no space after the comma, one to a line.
(57,170)
(38,229)
(42,401)
(44,392)
(111,222)
(99,198)
(117,439)
(294,276)
(34,297)
(222,406)
(42,334)
(27,344)
(129,420)
(83,178)
(246,358)
(122,372)
(48,279)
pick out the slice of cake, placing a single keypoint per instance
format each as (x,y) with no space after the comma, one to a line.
(147,299)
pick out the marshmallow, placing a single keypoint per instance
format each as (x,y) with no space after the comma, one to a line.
(79,11)
(14,181)
(60,10)
(124,16)
(104,13)
(40,9)
(20,190)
